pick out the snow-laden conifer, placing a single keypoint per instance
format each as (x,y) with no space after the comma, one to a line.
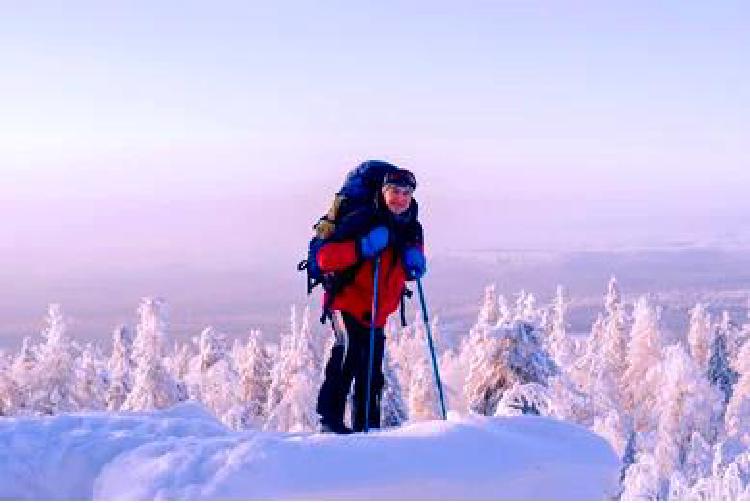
(178,363)
(295,379)
(120,367)
(733,336)
(528,398)
(525,355)
(727,484)
(737,418)
(91,380)
(394,407)
(489,312)
(214,381)
(402,348)
(641,481)
(686,403)
(487,376)
(19,381)
(641,378)
(254,367)
(52,390)
(505,354)
(526,308)
(720,372)
(699,335)
(424,402)
(153,386)
(614,337)
(698,459)
(559,343)
(9,391)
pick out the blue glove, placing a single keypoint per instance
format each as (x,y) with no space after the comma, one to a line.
(374,242)
(415,263)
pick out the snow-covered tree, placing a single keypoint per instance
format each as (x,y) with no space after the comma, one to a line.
(599,369)
(295,379)
(569,402)
(18,381)
(560,347)
(732,334)
(720,373)
(283,365)
(737,419)
(153,386)
(686,403)
(91,381)
(402,347)
(526,308)
(179,361)
(525,355)
(10,395)
(529,398)
(487,377)
(728,484)
(394,407)
(254,367)
(489,313)
(588,366)
(698,459)
(504,354)
(641,378)
(424,402)
(214,381)
(296,410)
(699,335)
(614,337)
(120,368)
(52,390)
(641,480)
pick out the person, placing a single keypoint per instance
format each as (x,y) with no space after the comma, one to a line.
(388,229)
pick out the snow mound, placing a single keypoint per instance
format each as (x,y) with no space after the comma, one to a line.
(60,457)
(184,453)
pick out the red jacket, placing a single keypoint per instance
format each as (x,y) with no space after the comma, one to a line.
(356,297)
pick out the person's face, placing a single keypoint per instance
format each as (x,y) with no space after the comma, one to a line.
(397,199)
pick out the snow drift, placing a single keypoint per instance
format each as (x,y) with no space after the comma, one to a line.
(185,453)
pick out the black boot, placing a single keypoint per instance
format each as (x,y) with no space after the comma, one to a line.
(338,428)
(358,411)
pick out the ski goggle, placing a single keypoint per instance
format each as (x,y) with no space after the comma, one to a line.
(401,178)
(399,189)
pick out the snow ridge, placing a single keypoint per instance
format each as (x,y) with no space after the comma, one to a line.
(185,453)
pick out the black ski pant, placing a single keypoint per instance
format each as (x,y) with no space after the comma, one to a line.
(348,364)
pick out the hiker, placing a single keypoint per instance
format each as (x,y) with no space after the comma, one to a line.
(388,228)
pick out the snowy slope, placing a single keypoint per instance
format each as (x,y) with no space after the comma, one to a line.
(184,453)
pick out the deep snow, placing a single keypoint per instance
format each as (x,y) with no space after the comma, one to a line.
(184,453)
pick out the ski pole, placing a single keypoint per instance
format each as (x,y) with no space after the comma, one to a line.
(372,342)
(426,320)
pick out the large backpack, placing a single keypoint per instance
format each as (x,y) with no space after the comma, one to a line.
(358,196)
